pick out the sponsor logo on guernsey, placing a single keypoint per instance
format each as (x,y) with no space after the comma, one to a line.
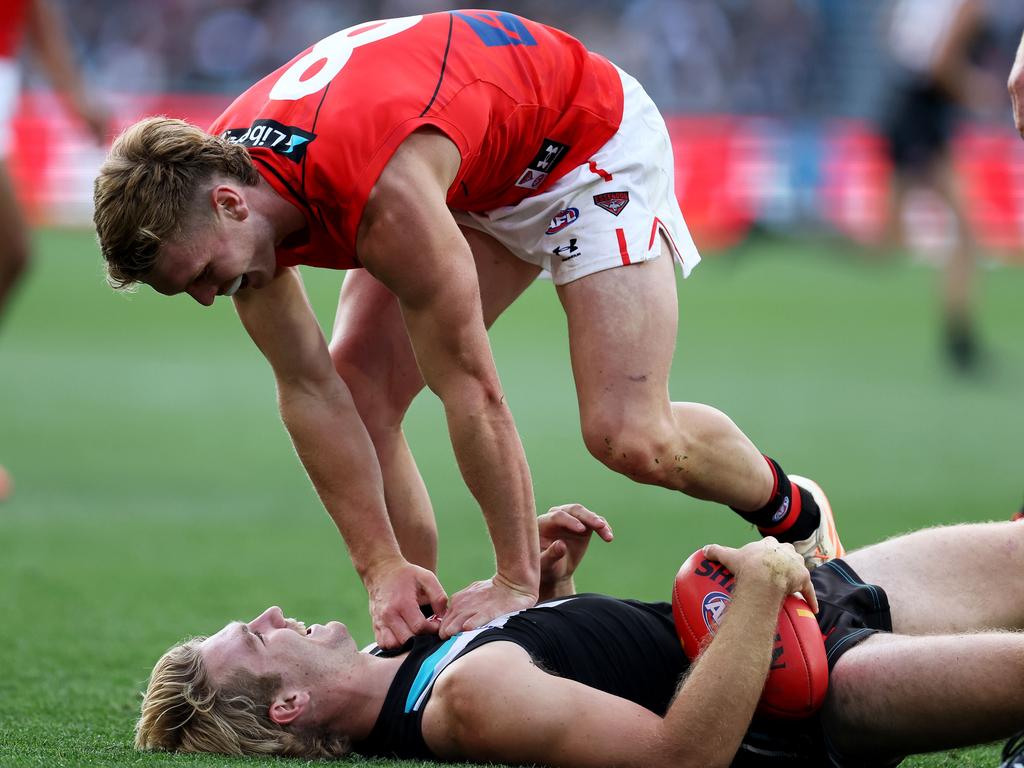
(613,202)
(562,220)
(548,156)
(566,252)
(497,28)
(713,609)
(287,140)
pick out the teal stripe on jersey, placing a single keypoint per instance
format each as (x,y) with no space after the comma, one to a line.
(426,672)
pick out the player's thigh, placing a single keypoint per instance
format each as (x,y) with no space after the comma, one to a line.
(502,276)
(956,578)
(370,346)
(622,336)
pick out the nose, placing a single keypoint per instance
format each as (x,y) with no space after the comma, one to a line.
(204,294)
(272,618)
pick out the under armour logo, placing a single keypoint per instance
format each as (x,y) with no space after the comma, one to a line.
(553,151)
(569,249)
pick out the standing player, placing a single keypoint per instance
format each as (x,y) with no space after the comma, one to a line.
(453,156)
(39,22)
(930,42)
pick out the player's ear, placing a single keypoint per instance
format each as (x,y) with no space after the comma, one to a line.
(227,200)
(288,706)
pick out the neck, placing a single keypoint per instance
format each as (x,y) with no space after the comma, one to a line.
(283,217)
(361,692)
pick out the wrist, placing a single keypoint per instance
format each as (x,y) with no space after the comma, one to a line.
(519,582)
(371,569)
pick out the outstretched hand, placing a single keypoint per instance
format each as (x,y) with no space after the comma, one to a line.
(396,594)
(768,561)
(565,533)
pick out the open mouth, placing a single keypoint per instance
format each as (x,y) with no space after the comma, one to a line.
(236,284)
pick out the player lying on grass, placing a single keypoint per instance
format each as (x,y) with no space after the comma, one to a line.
(920,633)
(445,160)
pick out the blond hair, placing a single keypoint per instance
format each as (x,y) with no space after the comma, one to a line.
(183,711)
(147,187)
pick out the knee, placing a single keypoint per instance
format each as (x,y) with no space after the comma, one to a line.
(380,398)
(648,451)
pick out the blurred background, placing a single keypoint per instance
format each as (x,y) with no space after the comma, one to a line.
(848,168)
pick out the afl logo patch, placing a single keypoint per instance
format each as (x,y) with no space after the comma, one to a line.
(613,202)
(713,608)
(562,220)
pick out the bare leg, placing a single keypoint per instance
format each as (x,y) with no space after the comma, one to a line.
(622,336)
(894,695)
(14,246)
(959,275)
(371,351)
(960,578)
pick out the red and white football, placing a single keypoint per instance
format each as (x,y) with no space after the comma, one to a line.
(798,678)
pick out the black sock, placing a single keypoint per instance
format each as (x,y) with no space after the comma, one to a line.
(786,516)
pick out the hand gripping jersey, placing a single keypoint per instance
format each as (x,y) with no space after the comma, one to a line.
(524,104)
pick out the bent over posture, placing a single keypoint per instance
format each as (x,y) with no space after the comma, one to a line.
(923,656)
(446,159)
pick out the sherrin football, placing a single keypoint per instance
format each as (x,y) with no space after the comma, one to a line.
(798,679)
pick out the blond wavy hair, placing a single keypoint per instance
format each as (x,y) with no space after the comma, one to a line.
(146,191)
(183,711)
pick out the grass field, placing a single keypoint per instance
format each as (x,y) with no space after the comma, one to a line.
(157,493)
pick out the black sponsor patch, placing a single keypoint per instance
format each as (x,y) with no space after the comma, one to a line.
(548,156)
(283,139)
(613,202)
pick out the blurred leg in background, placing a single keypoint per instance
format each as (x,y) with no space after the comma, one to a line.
(43,28)
(934,77)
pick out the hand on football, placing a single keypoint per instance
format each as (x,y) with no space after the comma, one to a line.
(770,562)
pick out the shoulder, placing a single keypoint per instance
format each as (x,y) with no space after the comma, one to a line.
(460,710)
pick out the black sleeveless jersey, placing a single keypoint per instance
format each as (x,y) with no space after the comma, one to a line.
(623,647)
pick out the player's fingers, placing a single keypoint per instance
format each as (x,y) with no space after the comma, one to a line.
(807,590)
(564,518)
(552,553)
(434,593)
(451,624)
(713,552)
(385,638)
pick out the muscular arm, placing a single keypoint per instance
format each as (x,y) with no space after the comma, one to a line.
(409,241)
(332,442)
(494,704)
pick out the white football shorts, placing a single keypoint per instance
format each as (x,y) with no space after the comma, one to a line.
(606,213)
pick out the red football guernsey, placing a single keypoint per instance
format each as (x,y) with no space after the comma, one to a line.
(524,103)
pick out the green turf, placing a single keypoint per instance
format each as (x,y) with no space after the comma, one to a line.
(157,493)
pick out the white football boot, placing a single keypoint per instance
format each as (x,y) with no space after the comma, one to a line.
(824,544)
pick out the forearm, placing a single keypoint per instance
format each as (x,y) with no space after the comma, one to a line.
(716,701)
(493,465)
(339,458)
(50,45)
